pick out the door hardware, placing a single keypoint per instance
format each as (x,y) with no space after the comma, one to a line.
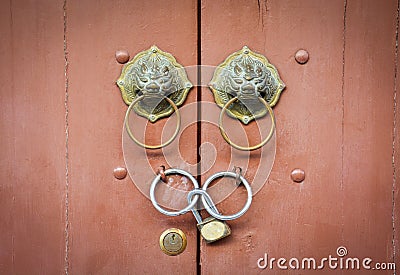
(213,210)
(246,86)
(301,56)
(248,76)
(173,171)
(154,85)
(142,144)
(173,241)
(213,228)
(157,73)
(225,108)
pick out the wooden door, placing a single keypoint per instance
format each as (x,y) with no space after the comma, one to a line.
(64,211)
(336,120)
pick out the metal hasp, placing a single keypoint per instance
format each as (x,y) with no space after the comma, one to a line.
(248,76)
(155,75)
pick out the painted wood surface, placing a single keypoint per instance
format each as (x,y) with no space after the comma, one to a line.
(334,120)
(32,138)
(62,210)
(113,227)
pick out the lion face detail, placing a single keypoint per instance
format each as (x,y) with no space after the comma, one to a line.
(156,75)
(247,76)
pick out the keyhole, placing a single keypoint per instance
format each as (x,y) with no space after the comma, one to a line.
(173,239)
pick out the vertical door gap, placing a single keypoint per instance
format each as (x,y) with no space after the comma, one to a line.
(66,197)
(198,98)
(343,113)
(14,134)
(394,134)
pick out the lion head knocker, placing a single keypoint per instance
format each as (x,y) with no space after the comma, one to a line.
(247,76)
(155,75)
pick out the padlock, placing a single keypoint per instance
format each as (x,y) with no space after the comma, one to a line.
(211,229)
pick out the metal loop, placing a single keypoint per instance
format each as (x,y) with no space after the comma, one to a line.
(160,171)
(242,148)
(215,214)
(144,145)
(238,171)
(173,171)
(208,203)
(205,195)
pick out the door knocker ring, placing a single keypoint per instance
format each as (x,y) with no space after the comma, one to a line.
(142,144)
(243,148)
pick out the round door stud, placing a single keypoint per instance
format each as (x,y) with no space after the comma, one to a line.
(173,241)
(120,173)
(298,175)
(122,56)
(302,56)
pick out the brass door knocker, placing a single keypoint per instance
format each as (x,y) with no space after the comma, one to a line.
(246,86)
(154,85)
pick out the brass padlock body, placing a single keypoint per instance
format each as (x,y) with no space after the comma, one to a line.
(213,230)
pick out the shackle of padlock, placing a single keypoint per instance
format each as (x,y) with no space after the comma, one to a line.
(211,229)
(246,86)
(154,85)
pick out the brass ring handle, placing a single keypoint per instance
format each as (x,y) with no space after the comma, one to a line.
(144,145)
(242,148)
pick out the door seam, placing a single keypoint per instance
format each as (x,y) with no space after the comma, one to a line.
(343,115)
(198,141)
(66,107)
(394,144)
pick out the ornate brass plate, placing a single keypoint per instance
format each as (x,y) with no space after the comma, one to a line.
(246,75)
(156,75)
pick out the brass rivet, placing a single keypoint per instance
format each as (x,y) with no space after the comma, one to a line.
(120,173)
(298,175)
(302,56)
(122,56)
